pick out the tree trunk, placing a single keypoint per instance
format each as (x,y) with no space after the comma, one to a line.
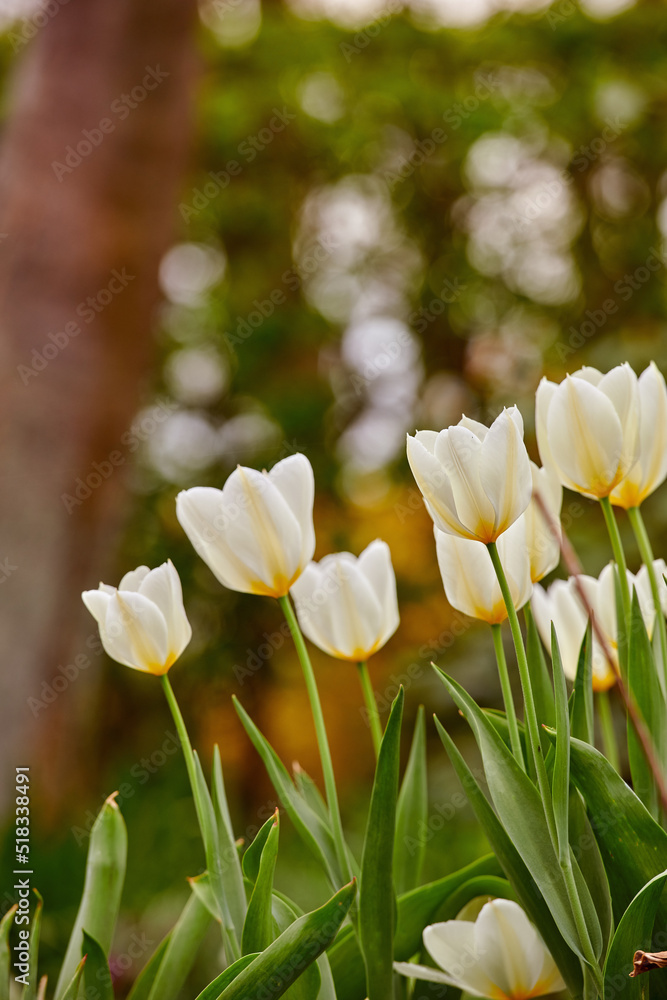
(91,166)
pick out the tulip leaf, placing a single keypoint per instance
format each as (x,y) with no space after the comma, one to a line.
(633,933)
(184,940)
(281,964)
(561,771)
(143,984)
(209,829)
(201,887)
(5,955)
(412,814)
(587,853)
(316,980)
(541,684)
(72,991)
(376,887)
(30,991)
(215,989)
(311,793)
(258,926)
(232,876)
(483,885)
(105,874)
(414,911)
(633,846)
(252,857)
(96,974)
(308,824)
(525,887)
(521,812)
(582,724)
(646,690)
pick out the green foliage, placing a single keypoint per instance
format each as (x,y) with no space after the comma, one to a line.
(377,906)
(100,901)
(412,814)
(633,933)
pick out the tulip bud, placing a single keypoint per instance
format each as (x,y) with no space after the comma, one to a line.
(562,605)
(542,541)
(499,955)
(347,606)
(470,581)
(142,623)
(256,534)
(588,428)
(650,469)
(475,480)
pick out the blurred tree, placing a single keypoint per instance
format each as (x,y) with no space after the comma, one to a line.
(92,161)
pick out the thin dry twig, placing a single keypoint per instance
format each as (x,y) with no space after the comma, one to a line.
(575,569)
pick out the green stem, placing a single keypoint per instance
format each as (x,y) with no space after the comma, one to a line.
(322,740)
(371,707)
(532,727)
(644,543)
(186,746)
(206,825)
(609,740)
(619,556)
(510,712)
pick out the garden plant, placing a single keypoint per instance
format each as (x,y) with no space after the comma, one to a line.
(571,899)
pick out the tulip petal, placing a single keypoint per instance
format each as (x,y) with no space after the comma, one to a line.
(163,587)
(505,470)
(585,437)
(511,952)
(202,515)
(310,598)
(452,945)
(293,477)
(355,614)
(424,973)
(621,387)
(433,483)
(375,563)
(133,579)
(459,452)
(136,630)
(97,602)
(264,534)
(469,579)
(543,397)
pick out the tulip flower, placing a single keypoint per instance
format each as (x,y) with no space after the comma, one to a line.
(142,622)
(542,541)
(588,428)
(255,534)
(650,469)
(562,605)
(500,955)
(347,606)
(475,480)
(470,581)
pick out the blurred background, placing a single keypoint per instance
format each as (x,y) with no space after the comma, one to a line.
(239,230)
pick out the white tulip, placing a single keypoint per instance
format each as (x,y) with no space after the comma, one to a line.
(475,480)
(650,470)
(347,606)
(542,542)
(469,579)
(588,428)
(562,605)
(256,534)
(142,622)
(501,955)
